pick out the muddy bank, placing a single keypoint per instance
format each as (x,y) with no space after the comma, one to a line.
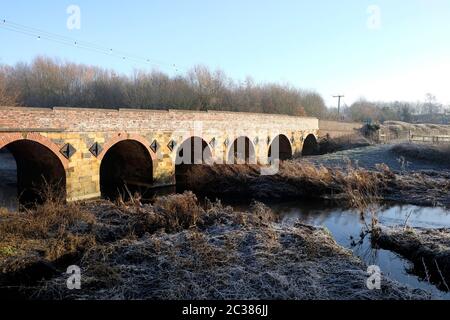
(177,249)
(427,249)
(303,179)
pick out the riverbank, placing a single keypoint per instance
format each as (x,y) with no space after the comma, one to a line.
(428,249)
(299,179)
(178,249)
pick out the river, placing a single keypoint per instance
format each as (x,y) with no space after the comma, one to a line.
(344,224)
(8,181)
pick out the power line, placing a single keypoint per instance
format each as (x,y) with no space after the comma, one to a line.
(94,47)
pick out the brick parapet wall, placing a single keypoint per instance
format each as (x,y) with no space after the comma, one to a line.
(75,119)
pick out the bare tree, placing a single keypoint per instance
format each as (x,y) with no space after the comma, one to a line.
(8,94)
(49,82)
(431,105)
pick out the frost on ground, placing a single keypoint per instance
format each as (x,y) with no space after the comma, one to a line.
(177,249)
(433,154)
(396,128)
(428,249)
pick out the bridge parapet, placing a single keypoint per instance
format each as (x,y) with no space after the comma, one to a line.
(81,119)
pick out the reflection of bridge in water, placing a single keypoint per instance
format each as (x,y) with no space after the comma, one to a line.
(94,152)
(8,180)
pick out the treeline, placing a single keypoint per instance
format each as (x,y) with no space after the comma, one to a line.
(429,110)
(48,82)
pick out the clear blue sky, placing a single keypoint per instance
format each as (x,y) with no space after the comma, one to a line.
(322,45)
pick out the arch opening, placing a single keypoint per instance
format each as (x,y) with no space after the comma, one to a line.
(126,169)
(242,151)
(310,146)
(30,174)
(192,153)
(280,149)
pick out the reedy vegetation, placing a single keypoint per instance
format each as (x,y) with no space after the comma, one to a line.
(350,186)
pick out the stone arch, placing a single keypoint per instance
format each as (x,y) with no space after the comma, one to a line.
(193,152)
(282,148)
(242,151)
(126,168)
(122,136)
(8,138)
(40,167)
(310,146)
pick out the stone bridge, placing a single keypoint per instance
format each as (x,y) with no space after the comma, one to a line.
(89,152)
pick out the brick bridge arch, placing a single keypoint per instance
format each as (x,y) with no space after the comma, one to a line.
(285,148)
(192,152)
(127,165)
(310,145)
(123,136)
(8,138)
(41,168)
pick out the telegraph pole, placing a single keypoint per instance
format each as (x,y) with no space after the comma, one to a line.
(339,102)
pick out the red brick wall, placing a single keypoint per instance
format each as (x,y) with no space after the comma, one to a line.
(74,119)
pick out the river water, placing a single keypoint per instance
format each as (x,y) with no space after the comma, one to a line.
(8,181)
(343,224)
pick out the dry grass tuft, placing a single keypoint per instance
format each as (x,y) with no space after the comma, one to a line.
(48,232)
(49,220)
(179,211)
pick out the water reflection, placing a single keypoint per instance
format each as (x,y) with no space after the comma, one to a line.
(8,181)
(346,227)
